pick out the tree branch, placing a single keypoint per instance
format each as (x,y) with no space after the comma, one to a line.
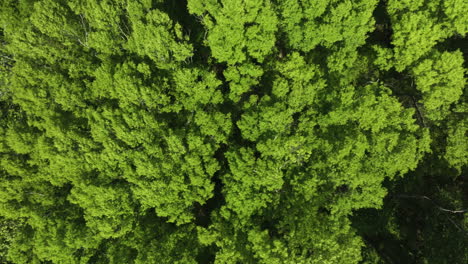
(462,211)
(417,110)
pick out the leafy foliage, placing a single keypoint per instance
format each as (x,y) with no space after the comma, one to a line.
(205,131)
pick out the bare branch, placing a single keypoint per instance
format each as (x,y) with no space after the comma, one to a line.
(462,211)
(419,112)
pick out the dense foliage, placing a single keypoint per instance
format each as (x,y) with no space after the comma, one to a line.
(233,131)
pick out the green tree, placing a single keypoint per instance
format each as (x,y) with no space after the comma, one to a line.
(190,131)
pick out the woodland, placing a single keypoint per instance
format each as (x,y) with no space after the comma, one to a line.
(234,131)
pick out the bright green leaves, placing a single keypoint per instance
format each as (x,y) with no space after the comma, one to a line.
(309,23)
(373,108)
(295,84)
(415,35)
(172,187)
(243,245)
(456,152)
(199,93)
(155,143)
(372,137)
(109,126)
(114,27)
(227,131)
(272,119)
(311,236)
(197,88)
(455,10)
(217,126)
(107,210)
(329,31)
(252,185)
(440,79)
(158,38)
(241,79)
(101,26)
(39,29)
(9,231)
(297,81)
(419,26)
(159,242)
(50,18)
(22,142)
(237,31)
(457,144)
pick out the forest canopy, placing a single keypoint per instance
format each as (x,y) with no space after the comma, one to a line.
(234,131)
